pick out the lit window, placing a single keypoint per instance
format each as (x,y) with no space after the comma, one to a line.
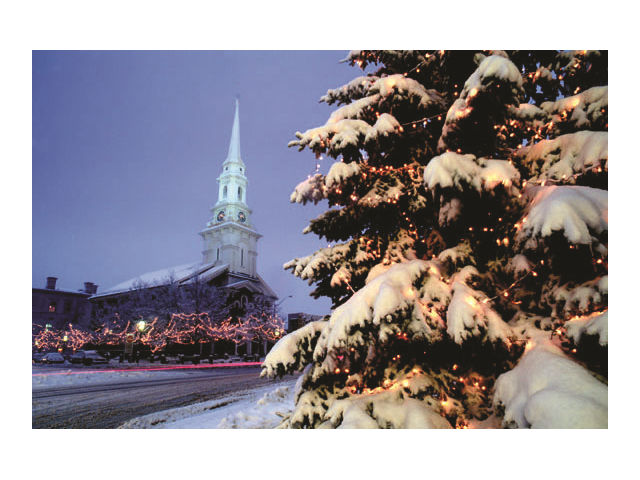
(52,306)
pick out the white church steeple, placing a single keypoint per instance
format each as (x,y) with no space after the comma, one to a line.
(229,237)
(234,145)
(232,183)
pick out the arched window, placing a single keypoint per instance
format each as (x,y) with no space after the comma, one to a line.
(239,193)
(224,192)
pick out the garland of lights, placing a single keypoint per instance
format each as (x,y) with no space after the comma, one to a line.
(185,329)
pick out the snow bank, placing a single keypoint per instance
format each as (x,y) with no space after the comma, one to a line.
(46,378)
(548,390)
(256,409)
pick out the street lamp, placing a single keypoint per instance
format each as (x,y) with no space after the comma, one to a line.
(276,305)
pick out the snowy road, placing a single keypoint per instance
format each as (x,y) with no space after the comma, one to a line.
(109,404)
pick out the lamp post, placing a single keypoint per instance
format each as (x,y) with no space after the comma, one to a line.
(141,325)
(276,305)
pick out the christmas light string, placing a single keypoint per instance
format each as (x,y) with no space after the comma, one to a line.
(181,329)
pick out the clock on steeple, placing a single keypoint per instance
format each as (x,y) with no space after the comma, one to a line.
(229,237)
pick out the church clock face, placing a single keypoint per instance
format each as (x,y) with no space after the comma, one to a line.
(220,216)
(241,217)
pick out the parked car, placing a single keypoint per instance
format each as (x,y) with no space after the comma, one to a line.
(88,357)
(37,357)
(53,357)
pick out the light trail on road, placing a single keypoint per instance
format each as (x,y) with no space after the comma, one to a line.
(151,369)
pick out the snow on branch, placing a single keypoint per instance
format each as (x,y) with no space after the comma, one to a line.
(356,88)
(414,91)
(548,390)
(310,190)
(340,172)
(563,157)
(469,315)
(581,110)
(375,305)
(576,211)
(596,324)
(346,127)
(494,72)
(293,351)
(459,171)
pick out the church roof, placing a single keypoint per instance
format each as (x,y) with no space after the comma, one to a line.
(179,274)
(189,272)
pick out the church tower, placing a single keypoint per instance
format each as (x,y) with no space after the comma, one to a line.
(229,237)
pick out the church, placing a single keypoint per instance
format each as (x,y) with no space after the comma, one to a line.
(230,254)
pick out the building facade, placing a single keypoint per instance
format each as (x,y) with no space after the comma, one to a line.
(59,308)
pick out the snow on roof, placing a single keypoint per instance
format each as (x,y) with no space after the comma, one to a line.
(178,274)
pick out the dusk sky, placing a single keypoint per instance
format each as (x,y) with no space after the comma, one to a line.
(127,146)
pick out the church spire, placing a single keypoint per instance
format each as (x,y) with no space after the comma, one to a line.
(234,144)
(229,236)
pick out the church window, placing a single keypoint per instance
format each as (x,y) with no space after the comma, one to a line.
(224,192)
(239,193)
(242,258)
(218,254)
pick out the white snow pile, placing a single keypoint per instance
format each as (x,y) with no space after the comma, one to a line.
(548,390)
(60,378)
(256,409)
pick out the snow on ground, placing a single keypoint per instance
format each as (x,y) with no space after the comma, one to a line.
(63,376)
(245,409)
(258,408)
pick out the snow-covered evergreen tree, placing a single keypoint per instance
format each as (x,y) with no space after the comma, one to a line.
(467,258)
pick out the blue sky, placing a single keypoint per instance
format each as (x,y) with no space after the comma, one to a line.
(127,146)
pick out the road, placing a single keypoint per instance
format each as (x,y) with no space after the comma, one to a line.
(110,405)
